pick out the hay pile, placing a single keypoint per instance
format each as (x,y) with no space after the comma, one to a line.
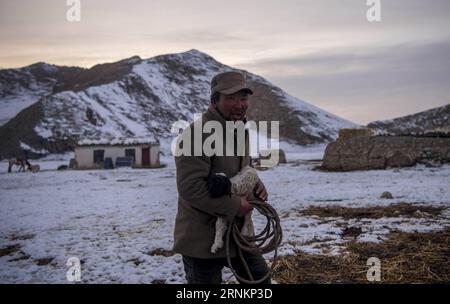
(375,212)
(405,258)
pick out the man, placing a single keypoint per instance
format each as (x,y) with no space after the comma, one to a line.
(197,210)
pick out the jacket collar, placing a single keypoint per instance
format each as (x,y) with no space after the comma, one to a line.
(213,114)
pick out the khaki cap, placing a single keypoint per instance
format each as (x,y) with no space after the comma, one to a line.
(229,83)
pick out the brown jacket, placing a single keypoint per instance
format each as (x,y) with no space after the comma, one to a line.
(197,211)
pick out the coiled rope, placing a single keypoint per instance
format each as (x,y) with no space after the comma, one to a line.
(266,241)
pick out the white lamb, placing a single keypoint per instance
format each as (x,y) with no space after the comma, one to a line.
(242,183)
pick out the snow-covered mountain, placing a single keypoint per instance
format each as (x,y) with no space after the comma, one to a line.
(141,98)
(436,118)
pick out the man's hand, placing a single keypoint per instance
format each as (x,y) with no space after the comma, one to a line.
(260,191)
(244,208)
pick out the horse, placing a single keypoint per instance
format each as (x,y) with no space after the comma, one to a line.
(19,161)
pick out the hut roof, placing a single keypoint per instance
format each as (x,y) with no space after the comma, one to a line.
(123,141)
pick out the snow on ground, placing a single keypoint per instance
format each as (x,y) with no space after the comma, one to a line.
(113,220)
(295,152)
(108,219)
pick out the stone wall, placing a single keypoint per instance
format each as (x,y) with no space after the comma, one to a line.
(380,152)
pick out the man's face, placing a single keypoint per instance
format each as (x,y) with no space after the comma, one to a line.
(234,106)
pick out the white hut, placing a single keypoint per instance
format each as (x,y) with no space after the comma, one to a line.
(134,152)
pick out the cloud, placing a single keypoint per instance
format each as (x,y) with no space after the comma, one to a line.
(366,84)
(359,60)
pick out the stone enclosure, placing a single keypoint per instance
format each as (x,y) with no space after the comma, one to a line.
(380,152)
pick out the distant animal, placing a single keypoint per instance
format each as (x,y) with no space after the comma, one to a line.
(20,162)
(35,168)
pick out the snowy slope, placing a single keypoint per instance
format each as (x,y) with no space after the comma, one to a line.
(304,120)
(20,88)
(12,105)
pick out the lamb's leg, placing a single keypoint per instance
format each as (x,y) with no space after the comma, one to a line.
(221,228)
(248,229)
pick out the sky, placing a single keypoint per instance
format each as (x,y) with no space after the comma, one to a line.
(325,52)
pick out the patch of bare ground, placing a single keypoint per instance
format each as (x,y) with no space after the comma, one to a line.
(406,257)
(44,261)
(21,237)
(9,249)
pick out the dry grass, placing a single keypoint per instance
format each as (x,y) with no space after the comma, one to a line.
(162,252)
(405,258)
(21,237)
(375,212)
(351,231)
(44,261)
(9,249)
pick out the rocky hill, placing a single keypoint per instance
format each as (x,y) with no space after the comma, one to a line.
(419,123)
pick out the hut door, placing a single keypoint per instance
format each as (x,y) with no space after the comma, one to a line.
(146,157)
